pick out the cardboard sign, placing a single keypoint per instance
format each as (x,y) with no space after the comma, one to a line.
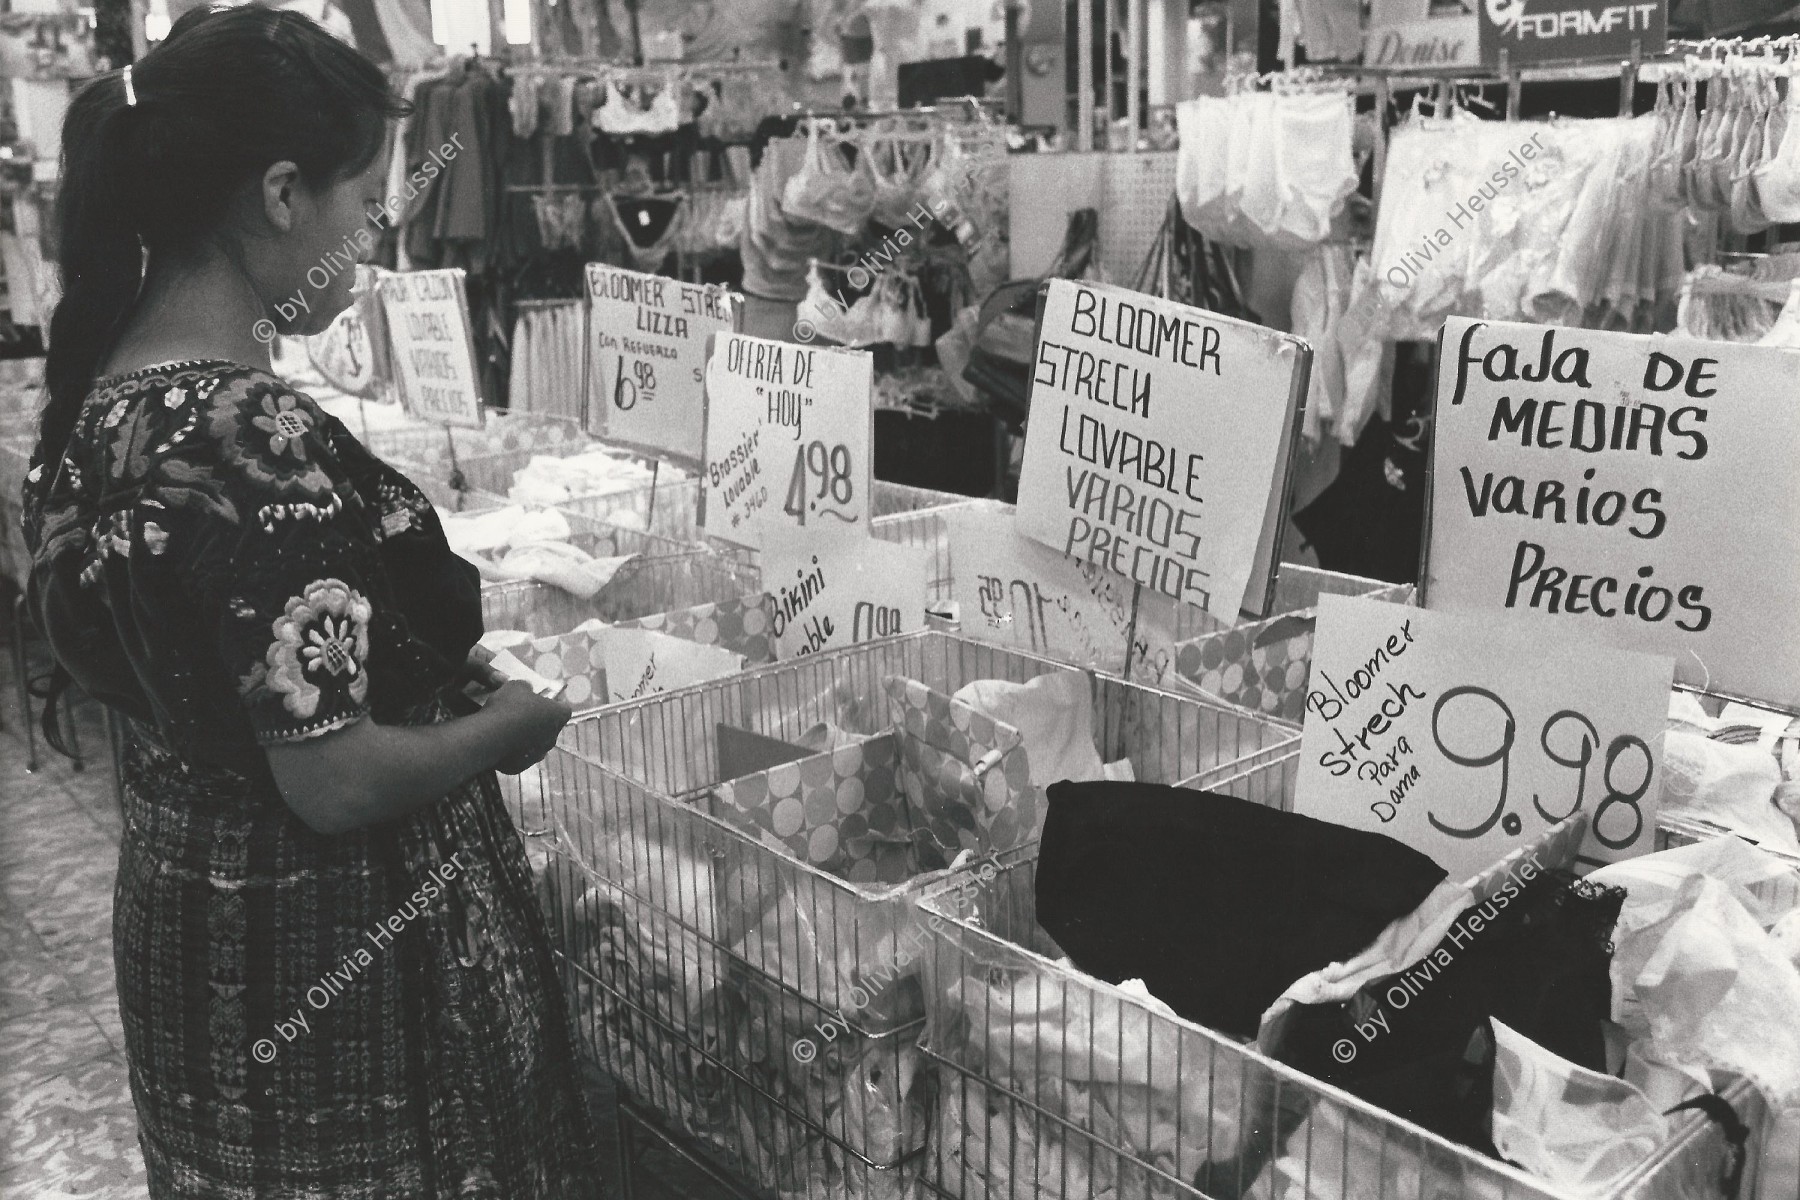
(1533,31)
(1465,736)
(434,351)
(642,662)
(352,352)
(646,376)
(832,590)
(1017,592)
(789,430)
(1636,491)
(1159,443)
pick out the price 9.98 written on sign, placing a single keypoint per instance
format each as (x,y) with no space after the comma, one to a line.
(788,436)
(647,357)
(434,352)
(1467,736)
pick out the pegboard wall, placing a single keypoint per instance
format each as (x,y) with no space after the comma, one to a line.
(1131,192)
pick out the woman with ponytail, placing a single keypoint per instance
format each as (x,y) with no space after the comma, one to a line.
(334,976)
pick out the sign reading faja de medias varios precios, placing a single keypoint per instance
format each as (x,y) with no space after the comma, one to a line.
(1634,491)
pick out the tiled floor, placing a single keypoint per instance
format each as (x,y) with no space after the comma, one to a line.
(66,1124)
(67,1128)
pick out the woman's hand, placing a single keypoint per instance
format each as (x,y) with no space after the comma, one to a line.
(535,723)
(479,670)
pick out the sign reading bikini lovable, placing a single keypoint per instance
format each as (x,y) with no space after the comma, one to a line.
(1465,736)
(789,430)
(830,589)
(646,357)
(1636,491)
(1160,443)
(433,348)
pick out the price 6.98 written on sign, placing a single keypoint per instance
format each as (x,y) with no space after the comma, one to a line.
(788,436)
(1465,737)
(647,338)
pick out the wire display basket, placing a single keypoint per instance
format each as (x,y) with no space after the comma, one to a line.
(1053,1084)
(1264,665)
(668,743)
(740,947)
(15,462)
(718,981)
(21,396)
(673,510)
(436,450)
(663,578)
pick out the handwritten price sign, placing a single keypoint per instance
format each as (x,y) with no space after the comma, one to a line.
(1467,736)
(1018,592)
(788,436)
(1160,443)
(434,352)
(647,338)
(1635,491)
(841,589)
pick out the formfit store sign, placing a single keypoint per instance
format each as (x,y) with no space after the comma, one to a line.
(1551,30)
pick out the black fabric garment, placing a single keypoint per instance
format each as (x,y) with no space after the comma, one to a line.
(946,79)
(1371,519)
(1216,903)
(1536,956)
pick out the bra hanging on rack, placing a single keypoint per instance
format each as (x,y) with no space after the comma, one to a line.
(621,115)
(827,190)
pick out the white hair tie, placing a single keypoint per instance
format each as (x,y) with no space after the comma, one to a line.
(130,92)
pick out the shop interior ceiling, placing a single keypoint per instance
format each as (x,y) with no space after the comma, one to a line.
(807,33)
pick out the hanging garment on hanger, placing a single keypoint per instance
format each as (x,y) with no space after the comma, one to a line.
(523,104)
(651,225)
(775,248)
(562,220)
(1778,179)
(1266,169)
(896,170)
(1785,332)
(621,115)
(828,190)
(1321,294)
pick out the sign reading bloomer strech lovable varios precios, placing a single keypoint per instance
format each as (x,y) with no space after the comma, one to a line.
(1158,443)
(1635,491)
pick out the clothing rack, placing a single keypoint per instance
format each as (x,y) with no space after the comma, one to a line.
(1775,291)
(545,188)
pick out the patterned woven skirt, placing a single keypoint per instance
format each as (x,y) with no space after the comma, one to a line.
(370,1015)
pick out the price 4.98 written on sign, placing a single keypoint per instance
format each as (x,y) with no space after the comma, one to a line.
(788,436)
(1465,737)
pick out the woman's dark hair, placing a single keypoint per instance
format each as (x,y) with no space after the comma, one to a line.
(228,93)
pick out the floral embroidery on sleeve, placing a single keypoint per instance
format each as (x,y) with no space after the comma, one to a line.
(264,429)
(316,661)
